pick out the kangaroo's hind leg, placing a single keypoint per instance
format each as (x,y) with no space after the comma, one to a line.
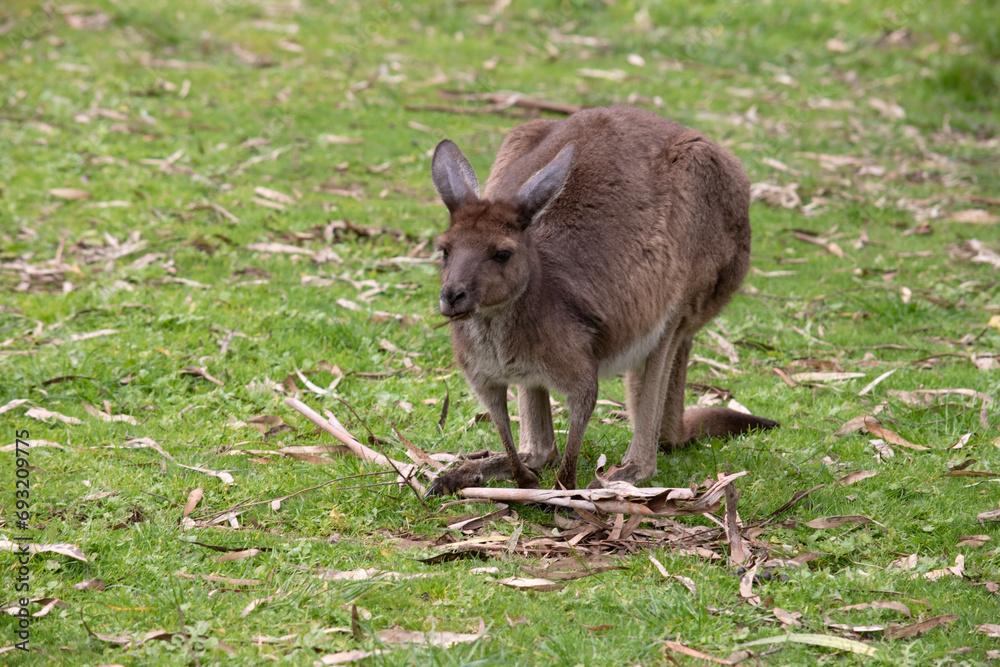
(646,403)
(671,424)
(536,438)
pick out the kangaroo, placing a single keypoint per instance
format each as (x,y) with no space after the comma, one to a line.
(601,244)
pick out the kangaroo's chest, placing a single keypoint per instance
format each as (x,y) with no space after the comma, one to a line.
(491,352)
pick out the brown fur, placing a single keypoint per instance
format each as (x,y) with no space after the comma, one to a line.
(601,244)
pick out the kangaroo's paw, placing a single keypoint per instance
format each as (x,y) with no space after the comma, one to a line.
(477,471)
(452,481)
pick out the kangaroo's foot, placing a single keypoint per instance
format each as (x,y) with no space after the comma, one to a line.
(630,472)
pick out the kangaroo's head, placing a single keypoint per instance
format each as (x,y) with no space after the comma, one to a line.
(486,255)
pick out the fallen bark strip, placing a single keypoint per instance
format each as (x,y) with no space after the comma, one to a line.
(617,498)
(405,470)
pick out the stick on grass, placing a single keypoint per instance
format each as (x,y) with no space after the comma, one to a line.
(364,453)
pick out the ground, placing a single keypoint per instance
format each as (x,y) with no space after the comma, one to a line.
(207,207)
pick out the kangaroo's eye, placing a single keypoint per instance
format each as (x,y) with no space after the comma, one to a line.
(444,252)
(502,256)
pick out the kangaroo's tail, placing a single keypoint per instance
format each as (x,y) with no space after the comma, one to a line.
(719,423)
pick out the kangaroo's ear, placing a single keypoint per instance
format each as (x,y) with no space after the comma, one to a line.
(454,178)
(544,186)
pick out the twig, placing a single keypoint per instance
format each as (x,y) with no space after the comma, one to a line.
(154,496)
(610,500)
(510,99)
(737,551)
(243,506)
(359,450)
(372,438)
(456,110)
(456,318)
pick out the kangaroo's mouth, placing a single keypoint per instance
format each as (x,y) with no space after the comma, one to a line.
(458,310)
(454,318)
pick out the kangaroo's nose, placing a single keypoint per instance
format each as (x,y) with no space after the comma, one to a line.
(453,296)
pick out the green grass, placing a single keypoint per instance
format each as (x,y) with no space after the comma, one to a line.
(79,109)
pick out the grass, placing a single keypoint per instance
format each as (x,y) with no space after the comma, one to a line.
(115,112)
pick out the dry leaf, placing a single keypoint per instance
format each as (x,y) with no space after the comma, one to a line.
(280,248)
(265,423)
(776,195)
(852,426)
(566,569)
(259,601)
(973,541)
(991,515)
(397,635)
(825,376)
(193,499)
(92,334)
(746,585)
(128,419)
(61,548)
(274,195)
(238,555)
(607,74)
(69,193)
(685,581)
(361,574)
(973,215)
(890,110)
(989,629)
(906,631)
(313,453)
(48,416)
(90,585)
(856,628)
(922,398)
(874,383)
(346,657)
(786,619)
(836,521)
(883,451)
(957,570)
(48,604)
(17,402)
(338,139)
(962,442)
(599,628)
(905,562)
(856,476)
(677,647)
(876,429)
(202,373)
(530,584)
(31,445)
